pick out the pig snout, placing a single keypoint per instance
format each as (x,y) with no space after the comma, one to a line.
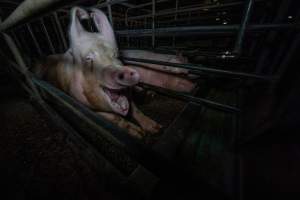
(127,76)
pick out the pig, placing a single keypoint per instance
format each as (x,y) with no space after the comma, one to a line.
(91,72)
(145,54)
(159,75)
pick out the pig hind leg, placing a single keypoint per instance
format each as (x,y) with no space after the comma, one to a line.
(145,122)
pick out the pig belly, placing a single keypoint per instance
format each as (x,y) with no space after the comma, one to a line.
(164,80)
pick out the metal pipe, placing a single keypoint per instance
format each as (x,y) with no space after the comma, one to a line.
(36,44)
(47,36)
(186,97)
(266,50)
(21,65)
(199,69)
(32,9)
(23,42)
(180,10)
(109,12)
(175,20)
(111,2)
(239,42)
(153,23)
(15,38)
(60,30)
(210,29)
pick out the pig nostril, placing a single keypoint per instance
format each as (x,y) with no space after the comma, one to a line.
(121,76)
(131,73)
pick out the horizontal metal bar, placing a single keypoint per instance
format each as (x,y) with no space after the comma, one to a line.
(186,97)
(218,28)
(199,69)
(112,2)
(180,10)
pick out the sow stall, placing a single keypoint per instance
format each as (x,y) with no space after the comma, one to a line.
(228,45)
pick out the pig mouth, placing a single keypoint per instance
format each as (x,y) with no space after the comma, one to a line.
(118,101)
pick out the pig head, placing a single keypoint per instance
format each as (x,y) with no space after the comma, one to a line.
(91,72)
(96,53)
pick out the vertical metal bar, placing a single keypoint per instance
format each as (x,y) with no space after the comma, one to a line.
(36,44)
(127,27)
(153,23)
(282,12)
(242,30)
(110,13)
(24,43)
(60,30)
(47,35)
(17,55)
(175,19)
(15,38)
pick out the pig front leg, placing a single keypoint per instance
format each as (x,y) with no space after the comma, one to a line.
(145,122)
(132,129)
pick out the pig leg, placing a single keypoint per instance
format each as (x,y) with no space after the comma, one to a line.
(145,122)
(132,129)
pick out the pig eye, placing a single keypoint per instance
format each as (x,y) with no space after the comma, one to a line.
(90,57)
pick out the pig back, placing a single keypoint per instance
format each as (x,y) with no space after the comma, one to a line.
(56,69)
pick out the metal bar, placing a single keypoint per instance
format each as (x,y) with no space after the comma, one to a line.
(47,36)
(239,42)
(199,69)
(109,12)
(168,12)
(15,38)
(210,29)
(31,9)
(266,50)
(153,23)
(101,126)
(186,97)
(112,2)
(22,67)
(175,20)
(36,44)
(61,33)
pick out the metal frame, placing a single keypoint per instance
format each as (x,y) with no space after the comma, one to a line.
(143,154)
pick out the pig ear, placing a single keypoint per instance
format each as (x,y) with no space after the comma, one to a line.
(103,26)
(76,29)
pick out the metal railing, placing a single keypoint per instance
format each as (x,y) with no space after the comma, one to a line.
(52,9)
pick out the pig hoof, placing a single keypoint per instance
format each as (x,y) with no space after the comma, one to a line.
(136,132)
(151,126)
